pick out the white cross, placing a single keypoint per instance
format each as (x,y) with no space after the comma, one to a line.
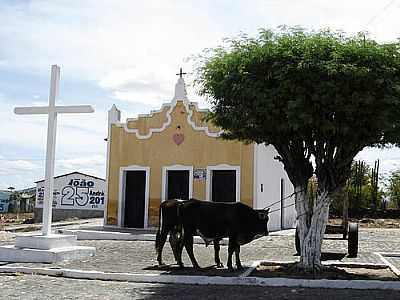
(52,110)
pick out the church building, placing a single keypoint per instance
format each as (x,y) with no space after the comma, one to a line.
(173,153)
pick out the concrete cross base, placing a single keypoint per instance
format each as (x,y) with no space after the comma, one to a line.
(12,253)
(45,242)
(45,248)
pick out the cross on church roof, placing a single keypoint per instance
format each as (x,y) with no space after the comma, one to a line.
(181,73)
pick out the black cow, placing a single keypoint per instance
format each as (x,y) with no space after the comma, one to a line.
(170,222)
(216,220)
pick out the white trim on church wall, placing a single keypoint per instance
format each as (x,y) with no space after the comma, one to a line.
(151,130)
(255,177)
(121,194)
(222,167)
(269,174)
(190,122)
(164,183)
(114,116)
(168,122)
(180,95)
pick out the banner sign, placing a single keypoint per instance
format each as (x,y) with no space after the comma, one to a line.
(75,191)
(200,174)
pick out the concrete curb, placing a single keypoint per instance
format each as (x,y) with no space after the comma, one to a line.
(121,236)
(207,280)
(392,267)
(328,263)
(35,226)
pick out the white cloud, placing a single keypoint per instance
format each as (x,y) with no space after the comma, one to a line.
(39,103)
(133,49)
(17,165)
(19,173)
(78,137)
(137,86)
(92,165)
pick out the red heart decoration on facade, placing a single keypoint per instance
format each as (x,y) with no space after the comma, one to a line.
(178,138)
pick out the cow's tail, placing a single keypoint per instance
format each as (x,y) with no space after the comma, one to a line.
(157,244)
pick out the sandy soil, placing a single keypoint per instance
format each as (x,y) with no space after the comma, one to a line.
(288,271)
(370,223)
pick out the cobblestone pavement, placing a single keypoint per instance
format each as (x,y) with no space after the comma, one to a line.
(32,287)
(140,256)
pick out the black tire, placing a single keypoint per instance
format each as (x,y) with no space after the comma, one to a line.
(297,242)
(353,239)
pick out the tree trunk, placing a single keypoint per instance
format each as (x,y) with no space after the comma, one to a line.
(312,219)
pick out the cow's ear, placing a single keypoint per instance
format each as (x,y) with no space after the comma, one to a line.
(267,210)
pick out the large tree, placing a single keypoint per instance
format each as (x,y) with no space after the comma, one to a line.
(318,97)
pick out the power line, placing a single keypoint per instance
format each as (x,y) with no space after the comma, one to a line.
(379,13)
(27,159)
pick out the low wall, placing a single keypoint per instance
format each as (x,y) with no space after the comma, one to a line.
(63,214)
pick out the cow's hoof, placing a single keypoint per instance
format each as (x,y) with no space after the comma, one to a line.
(181,266)
(240,268)
(197,267)
(162,266)
(230,269)
(220,265)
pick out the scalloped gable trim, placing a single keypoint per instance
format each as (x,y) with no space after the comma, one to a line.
(171,106)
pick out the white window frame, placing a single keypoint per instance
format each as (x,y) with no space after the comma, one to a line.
(122,188)
(222,167)
(164,183)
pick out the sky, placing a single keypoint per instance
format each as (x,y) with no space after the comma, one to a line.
(127,53)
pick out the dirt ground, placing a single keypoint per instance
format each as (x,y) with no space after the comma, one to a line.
(344,273)
(6,236)
(15,219)
(370,223)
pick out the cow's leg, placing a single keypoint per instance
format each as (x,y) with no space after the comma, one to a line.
(176,242)
(238,263)
(216,254)
(231,249)
(188,238)
(161,238)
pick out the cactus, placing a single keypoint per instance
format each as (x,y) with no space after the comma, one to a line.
(374,185)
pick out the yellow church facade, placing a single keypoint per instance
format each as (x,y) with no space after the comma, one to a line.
(173,153)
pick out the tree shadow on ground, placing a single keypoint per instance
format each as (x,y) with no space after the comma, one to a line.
(190,271)
(332,256)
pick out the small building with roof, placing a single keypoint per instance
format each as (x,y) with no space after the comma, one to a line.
(4,201)
(75,195)
(175,153)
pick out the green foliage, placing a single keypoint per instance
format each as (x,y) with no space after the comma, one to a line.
(319,94)
(394,188)
(362,188)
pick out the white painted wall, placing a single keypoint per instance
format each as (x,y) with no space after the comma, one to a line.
(268,173)
(75,191)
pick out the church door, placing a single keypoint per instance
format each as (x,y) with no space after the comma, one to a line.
(135,189)
(223,186)
(177,184)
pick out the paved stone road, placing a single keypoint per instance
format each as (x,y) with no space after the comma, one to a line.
(29,287)
(140,256)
